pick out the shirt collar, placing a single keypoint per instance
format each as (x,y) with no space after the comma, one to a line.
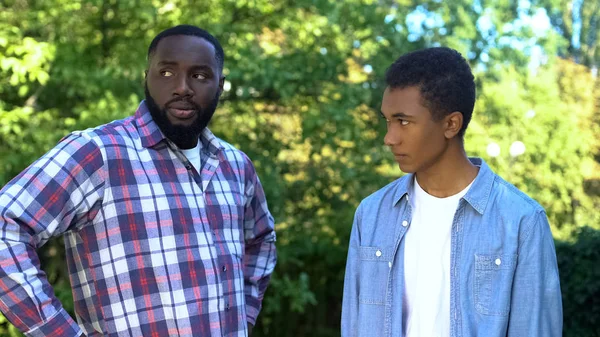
(404,185)
(478,195)
(150,133)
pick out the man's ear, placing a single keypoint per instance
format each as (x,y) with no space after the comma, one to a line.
(221,84)
(145,73)
(453,123)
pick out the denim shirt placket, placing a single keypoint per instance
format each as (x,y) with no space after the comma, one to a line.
(400,231)
(455,244)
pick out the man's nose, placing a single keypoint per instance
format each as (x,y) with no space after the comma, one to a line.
(182,87)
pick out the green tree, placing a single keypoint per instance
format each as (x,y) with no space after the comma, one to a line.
(549,111)
(578,21)
(303,90)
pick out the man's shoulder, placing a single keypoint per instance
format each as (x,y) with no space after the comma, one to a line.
(110,132)
(238,160)
(232,153)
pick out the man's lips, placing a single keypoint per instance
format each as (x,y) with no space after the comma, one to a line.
(181,113)
(180,105)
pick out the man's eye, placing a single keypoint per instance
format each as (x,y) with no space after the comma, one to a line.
(404,122)
(199,76)
(166,73)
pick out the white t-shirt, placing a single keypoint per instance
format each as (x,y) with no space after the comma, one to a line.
(193,155)
(426,301)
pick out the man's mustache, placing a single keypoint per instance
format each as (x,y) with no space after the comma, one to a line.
(182,103)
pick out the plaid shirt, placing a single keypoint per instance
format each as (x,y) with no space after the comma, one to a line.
(154,248)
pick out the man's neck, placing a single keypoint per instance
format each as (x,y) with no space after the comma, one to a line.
(452,173)
(188,144)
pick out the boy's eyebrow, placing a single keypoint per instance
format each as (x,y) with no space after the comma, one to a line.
(397,115)
(401,115)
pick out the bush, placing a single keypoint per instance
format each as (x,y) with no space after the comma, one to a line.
(580,283)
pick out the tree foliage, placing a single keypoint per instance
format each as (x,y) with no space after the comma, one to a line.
(304,84)
(578,21)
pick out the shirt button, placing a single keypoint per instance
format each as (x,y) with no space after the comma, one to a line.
(227,307)
(224,268)
(378,253)
(390,264)
(404,223)
(498,262)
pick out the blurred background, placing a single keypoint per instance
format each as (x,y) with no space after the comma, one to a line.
(304,85)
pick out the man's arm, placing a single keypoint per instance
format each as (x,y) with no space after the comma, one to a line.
(536,302)
(51,196)
(351,277)
(260,254)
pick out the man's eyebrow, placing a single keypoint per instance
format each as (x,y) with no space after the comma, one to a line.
(173,63)
(167,63)
(202,66)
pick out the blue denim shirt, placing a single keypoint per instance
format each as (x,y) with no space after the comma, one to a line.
(504,276)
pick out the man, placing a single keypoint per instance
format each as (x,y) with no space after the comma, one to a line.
(449,249)
(166,227)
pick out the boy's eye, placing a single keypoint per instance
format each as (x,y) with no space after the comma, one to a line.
(166,73)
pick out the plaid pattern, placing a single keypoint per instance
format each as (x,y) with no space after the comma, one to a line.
(154,248)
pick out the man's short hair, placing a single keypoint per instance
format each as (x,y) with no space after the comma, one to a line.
(443,77)
(190,31)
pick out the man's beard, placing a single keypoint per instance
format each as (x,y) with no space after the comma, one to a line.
(184,136)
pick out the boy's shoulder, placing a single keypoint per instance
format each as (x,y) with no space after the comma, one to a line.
(389,194)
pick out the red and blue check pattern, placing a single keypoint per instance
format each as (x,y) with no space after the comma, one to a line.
(154,248)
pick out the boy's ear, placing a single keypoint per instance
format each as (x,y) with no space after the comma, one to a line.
(454,123)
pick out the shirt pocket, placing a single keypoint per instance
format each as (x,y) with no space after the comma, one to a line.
(374,272)
(493,283)
(225,210)
(225,204)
